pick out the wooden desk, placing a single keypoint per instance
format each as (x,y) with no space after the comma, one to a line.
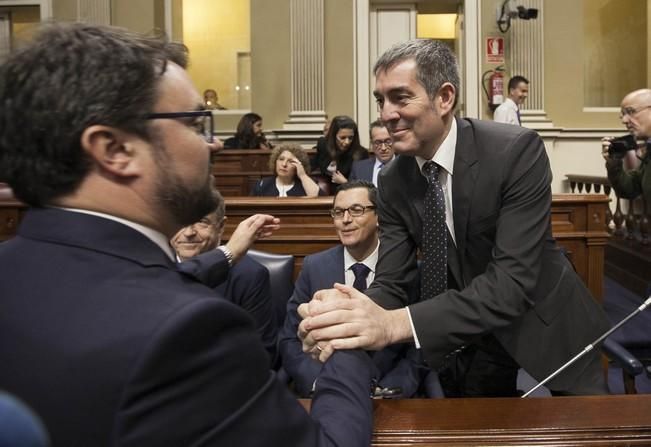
(567,421)
(237,170)
(578,223)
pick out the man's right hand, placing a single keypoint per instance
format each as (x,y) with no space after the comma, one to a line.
(605,145)
(258,226)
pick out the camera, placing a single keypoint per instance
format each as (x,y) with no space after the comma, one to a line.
(619,146)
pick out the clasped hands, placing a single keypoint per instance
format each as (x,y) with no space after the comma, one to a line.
(343,318)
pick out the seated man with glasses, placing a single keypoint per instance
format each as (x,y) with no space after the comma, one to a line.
(351,263)
(636,116)
(369,168)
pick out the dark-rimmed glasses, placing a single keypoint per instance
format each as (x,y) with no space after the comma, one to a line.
(204,126)
(354,211)
(379,143)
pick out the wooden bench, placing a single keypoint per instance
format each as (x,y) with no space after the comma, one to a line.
(306,227)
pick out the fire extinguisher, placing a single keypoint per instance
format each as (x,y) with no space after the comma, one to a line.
(495,90)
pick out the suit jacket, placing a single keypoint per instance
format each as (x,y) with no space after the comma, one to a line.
(247,285)
(110,345)
(506,275)
(362,170)
(399,366)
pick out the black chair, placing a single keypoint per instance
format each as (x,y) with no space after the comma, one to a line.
(281,278)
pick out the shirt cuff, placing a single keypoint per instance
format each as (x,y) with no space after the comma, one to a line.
(413,329)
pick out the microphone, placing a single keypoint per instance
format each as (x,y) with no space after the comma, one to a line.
(591,346)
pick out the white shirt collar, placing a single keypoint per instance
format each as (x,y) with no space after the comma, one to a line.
(370,261)
(444,156)
(508,101)
(153,235)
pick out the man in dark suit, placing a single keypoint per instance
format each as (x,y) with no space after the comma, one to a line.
(355,221)
(247,282)
(99,332)
(369,168)
(509,298)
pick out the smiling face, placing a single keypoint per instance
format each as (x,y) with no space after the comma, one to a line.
(519,93)
(417,124)
(358,234)
(198,238)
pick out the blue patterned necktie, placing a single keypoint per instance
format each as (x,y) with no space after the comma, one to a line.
(360,271)
(434,247)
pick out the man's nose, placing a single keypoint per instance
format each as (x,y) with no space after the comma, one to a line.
(388,113)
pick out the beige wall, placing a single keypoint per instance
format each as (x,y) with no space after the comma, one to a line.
(136,15)
(339,58)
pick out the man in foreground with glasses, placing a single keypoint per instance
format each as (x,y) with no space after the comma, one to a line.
(352,263)
(636,116)
(99,332)
(369,168)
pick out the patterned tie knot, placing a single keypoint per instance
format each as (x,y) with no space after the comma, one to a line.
(360,271)
(431,171)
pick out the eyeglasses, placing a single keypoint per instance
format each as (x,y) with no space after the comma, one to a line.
(630,111)
(354,210)
(379,143)
(203,125)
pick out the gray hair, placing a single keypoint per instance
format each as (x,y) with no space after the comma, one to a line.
(436,63)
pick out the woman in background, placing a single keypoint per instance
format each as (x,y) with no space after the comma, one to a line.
(249,134)
(290,164)
(343,148)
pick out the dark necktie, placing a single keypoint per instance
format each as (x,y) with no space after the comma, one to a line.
(434,271)
(361,272)
(518,113)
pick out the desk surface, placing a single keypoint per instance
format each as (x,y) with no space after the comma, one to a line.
(590,420)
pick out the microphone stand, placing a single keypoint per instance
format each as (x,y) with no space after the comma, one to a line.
(591,346)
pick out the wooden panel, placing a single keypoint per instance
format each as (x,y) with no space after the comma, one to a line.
(306,227)
(567,421)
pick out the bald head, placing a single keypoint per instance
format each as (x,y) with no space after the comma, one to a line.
(636,113)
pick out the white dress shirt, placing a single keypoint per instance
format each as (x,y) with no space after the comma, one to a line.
(507,113)
(369,262)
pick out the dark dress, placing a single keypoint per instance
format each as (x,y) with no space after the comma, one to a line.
(266,187)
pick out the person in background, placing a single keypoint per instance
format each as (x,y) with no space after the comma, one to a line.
(352,262)
(369,168)
(93,304)
(509,111)
(343,149)
(636,116)
(247,283)
(211,100)
(321,156)
(249,134)
(290,164)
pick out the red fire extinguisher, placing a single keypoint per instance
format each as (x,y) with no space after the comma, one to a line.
(495,90)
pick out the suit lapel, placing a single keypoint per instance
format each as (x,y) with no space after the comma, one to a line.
(466,170)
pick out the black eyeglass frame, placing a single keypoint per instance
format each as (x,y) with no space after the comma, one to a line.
(190,114)
(335,212)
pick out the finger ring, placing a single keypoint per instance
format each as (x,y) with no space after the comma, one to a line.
(319,348)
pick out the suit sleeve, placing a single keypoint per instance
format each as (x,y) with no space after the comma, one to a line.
(627,184)
(300,366)
(210,268)
(495,298)
(353,173)
(204,380)
(396,270)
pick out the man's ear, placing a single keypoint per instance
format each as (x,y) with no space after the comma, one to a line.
(447,95)
(112,149)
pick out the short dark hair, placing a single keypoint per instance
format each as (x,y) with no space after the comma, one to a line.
(70,77)
(436,63)
(370,187)
(515,81)
(375,124)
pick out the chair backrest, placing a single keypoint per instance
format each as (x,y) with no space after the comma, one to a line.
(281,274)
(19,426)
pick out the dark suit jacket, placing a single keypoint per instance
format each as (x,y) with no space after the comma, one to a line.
(247,285)
(362,170)
(110,345)
(507,275)
(399,366)
(266,187)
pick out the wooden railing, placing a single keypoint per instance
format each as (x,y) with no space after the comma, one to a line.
(628,253)
(554,421)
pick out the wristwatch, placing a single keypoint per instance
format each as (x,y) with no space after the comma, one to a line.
(228,253)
